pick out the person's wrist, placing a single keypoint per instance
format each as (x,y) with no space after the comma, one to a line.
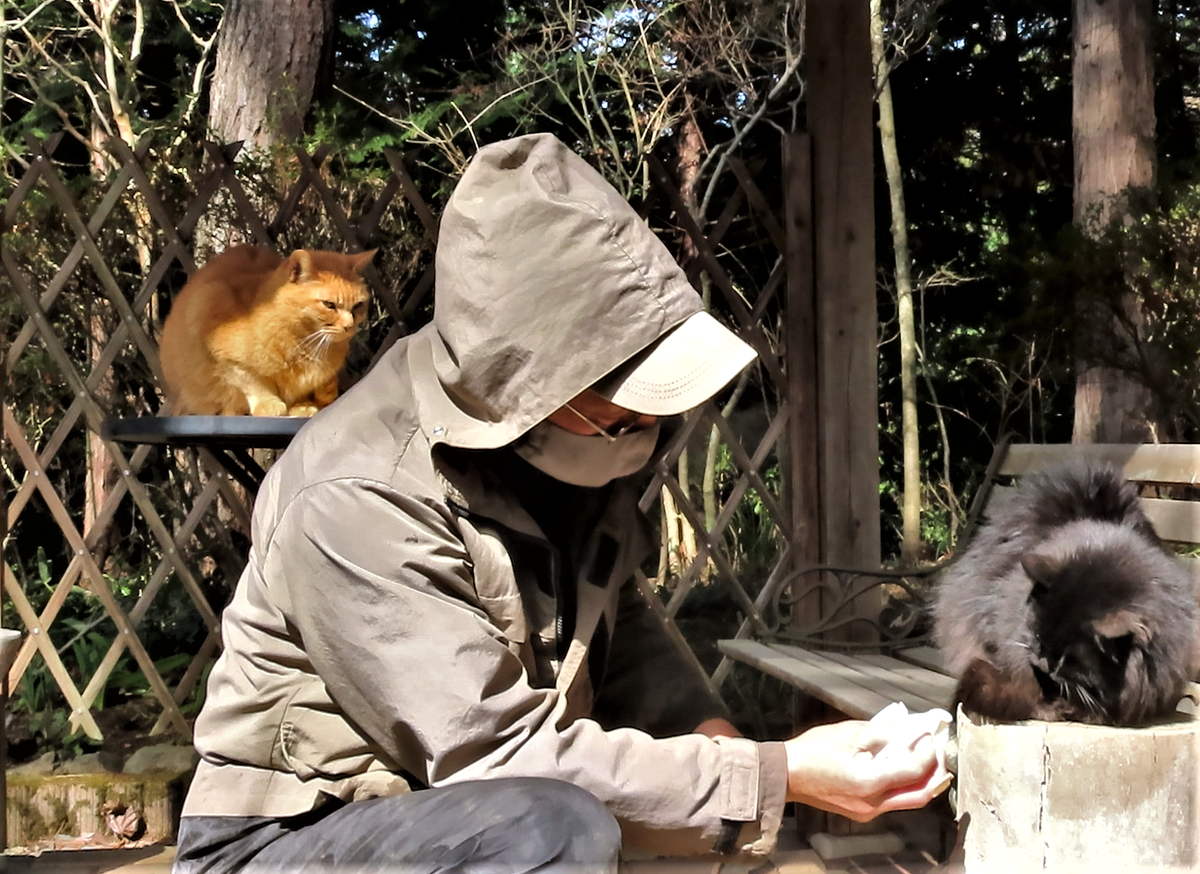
(795,761)
(717,727)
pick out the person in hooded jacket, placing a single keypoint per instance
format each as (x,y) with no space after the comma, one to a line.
(437,657)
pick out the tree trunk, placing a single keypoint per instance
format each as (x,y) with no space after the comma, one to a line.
(910,504)
(691,147)
(269,59)
(1113,120)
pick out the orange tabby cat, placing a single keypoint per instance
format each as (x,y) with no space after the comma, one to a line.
(255,333)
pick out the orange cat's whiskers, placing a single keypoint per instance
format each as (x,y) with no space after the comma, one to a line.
(314,346)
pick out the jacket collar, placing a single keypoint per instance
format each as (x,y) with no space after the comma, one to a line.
(476,489)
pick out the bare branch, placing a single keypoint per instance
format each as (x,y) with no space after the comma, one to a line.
(87,89)
(6,26)
(88,23)
(740,135)
(139,34)
(63,115)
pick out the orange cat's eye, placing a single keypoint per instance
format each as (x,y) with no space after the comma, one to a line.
(330,304)
(359,307)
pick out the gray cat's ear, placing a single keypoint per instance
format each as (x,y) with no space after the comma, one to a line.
(1041,568)
(1123,623)
(299,266)
(360,261)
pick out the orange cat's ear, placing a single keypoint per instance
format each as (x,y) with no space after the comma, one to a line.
(299,266)
(360,261)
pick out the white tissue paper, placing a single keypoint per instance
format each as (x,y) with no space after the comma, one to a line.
(905,729)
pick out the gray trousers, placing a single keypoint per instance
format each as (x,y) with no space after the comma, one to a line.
(507,826)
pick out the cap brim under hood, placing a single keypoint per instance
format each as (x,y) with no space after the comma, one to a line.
(679,371)
(547,281)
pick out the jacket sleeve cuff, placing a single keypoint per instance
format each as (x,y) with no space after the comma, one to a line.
(772,796)
(755,781)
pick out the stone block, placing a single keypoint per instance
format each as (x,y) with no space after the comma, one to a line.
(844,846)
(162,757)
(1066,797)
(45,807)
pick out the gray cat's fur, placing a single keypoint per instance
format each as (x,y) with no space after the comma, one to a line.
(1067,606)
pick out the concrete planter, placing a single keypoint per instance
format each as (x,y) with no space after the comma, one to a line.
(1067,797)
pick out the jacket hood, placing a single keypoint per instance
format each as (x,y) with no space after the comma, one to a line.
(547,280)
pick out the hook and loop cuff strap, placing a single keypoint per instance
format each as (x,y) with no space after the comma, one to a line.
(752,809)
(753,793)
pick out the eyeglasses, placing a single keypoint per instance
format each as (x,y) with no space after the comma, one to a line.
(608,433)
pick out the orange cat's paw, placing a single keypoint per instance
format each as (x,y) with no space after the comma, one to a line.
(306,409)
(268,407)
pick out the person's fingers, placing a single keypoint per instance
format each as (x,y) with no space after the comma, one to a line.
(906,767)
(912,798)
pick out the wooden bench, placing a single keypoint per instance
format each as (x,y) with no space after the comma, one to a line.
(860,679)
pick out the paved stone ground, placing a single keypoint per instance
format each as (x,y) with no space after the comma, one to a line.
(792,857)
(157,860)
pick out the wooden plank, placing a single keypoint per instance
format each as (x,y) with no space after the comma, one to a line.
(1174,520)
(816,680)
(883,691)
(1178,521)
(1177,463)
(885,674)
(896,687)
(936,678)
(840,100)
(804,437)
(1192,563)
(934,687)
(923,657)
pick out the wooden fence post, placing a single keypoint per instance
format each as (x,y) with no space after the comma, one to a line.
(803,478)
(840,113)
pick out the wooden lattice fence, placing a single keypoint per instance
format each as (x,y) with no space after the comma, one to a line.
(92,270)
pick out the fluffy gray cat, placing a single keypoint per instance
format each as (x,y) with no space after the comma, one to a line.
(1067,606)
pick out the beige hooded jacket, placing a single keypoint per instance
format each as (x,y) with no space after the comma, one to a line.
(402,622)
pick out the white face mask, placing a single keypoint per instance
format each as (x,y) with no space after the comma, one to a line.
(586,460)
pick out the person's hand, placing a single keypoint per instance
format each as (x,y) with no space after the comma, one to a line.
(835,768)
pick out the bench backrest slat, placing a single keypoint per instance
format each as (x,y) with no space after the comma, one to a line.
(1178,521)
(1175,463)
(1163,464)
